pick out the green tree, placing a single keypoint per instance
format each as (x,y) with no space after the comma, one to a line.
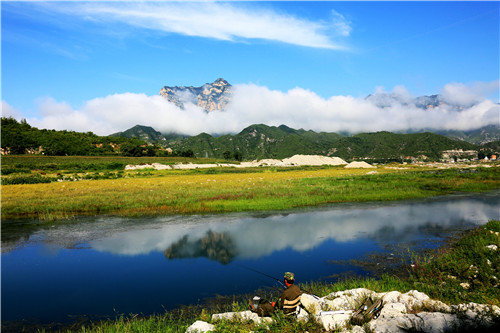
(238,156)
(187,153)
(131,149)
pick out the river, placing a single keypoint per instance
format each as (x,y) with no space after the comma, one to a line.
(104,266)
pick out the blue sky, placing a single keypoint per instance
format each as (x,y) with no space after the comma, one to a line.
(63,55)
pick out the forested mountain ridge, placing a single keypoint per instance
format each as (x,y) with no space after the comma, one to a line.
(262,141)
(254,142)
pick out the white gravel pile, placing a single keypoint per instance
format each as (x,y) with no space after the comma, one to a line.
(296,160)
(359,165)
(313,160)
(269,162)
(156,166)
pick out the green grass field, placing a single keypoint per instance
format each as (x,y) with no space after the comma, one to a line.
(219,190)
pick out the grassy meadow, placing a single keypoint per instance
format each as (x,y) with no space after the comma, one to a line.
(150,192)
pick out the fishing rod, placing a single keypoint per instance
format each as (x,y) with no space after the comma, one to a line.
(259,272)
(272,277)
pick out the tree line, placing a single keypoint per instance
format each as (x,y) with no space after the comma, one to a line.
(18,137)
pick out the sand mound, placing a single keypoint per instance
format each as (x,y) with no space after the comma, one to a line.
(296,160)
(156,166)
(363,165)
(313,160)
(270,162)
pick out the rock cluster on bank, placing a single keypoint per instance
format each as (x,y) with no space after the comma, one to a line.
(402,312)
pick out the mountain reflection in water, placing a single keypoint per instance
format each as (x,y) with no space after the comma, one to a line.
(214,246)
(253,237)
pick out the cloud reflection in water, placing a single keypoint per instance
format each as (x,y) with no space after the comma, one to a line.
(252,237)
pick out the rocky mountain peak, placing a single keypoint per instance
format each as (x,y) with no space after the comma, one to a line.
(211,96)
(430,102)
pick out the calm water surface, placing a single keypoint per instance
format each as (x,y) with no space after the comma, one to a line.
(104,266)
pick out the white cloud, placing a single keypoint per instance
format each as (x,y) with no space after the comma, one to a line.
(9,111)
(223,21)
(459,93)
(252,104)
(341,24)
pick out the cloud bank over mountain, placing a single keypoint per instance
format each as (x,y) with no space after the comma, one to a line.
(466,108)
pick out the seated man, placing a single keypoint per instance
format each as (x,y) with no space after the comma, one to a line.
(288,302)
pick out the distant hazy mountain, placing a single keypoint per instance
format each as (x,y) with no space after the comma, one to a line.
(211,96)
(493,146)
(384,100)
(481,135)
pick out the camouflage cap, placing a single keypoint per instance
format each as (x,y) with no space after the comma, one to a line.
(289,276)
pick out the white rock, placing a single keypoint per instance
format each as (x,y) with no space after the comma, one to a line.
(437,306)
(334,322)
(358,292)
(312,304)
(357,329)
(233,315)
(417,295)
(473,310)
(414,300)
(341,303)
(465,285)
(347,299)
(390,325)
(302,315)
(378,295)
(392,310)
(200,326)
(421,322)
(243,315)
(436,321)
(391,297)
(492,247)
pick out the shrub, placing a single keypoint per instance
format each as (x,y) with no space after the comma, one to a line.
(8,171)
(115,166)
(28,179)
